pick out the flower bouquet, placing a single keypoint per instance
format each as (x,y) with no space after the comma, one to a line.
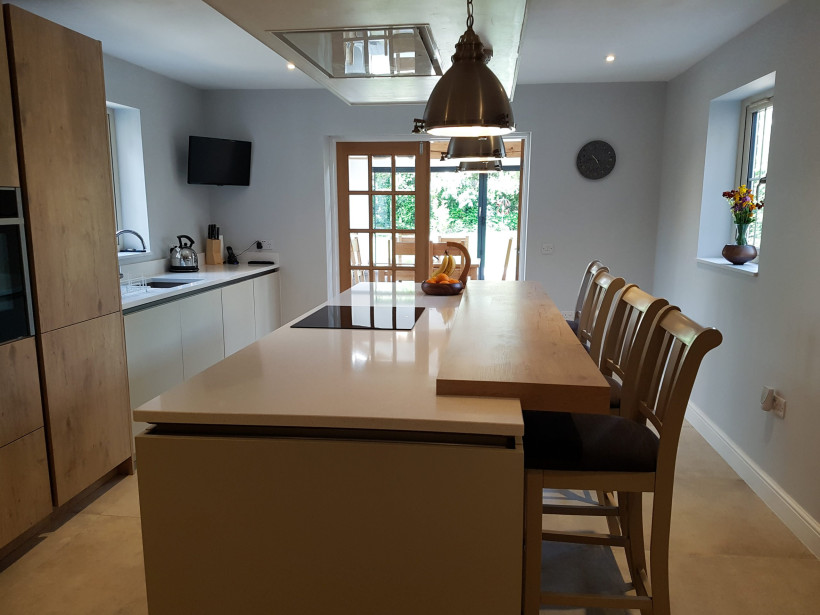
(742,207)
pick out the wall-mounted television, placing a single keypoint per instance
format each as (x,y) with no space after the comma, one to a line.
(219,162)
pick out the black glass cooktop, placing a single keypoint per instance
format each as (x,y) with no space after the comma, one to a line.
(401,318)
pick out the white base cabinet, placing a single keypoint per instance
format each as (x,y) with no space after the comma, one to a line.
(174,341)
(153,344)
(238,317)
(202,338)
(268,315)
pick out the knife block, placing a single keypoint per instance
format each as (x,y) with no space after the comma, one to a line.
(213,251)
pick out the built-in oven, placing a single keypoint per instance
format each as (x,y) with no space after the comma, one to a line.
(16,315)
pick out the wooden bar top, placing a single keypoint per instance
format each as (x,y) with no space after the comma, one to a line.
(510,340)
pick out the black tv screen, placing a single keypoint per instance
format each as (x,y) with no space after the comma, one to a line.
(219,162)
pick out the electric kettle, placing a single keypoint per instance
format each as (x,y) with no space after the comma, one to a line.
(183,256)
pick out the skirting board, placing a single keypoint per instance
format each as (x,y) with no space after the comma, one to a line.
(794,516)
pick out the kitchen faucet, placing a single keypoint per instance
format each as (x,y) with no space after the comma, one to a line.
(126,230)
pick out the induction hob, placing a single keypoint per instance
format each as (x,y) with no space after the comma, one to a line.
(401,318)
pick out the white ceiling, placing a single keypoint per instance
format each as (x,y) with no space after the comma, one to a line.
(563,41)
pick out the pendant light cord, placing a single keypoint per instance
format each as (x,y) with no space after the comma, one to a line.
(469,14)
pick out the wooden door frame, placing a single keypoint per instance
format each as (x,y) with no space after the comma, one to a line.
(419,149)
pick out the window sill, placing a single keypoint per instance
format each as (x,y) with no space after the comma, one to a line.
(722,263)
(128,256)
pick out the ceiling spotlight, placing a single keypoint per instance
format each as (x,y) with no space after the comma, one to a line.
(291,66)
(610,58)
(474,149)
(468,100)
(484,166)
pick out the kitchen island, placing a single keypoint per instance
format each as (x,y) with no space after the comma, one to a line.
(317,470)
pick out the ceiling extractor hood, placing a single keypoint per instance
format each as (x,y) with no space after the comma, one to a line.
(367,52)
(306,33)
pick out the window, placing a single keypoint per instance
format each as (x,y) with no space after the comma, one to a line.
(115,173)
(128,178)
(737,153)
(754,161)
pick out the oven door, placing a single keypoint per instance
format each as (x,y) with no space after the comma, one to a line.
(16,317)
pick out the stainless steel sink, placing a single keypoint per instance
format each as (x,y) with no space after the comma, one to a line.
(170,282)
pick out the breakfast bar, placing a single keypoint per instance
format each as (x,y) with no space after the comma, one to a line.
(319,469)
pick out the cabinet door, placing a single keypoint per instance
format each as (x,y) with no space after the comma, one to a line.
(63,141)
(8,144)
(25,493)
(202,341)
(153,342)
(237,316)
(266,304)
(86,384)
(21,411)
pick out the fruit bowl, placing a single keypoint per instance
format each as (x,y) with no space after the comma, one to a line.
(441,289)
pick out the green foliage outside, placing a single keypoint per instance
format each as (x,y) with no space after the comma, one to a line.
(453,201)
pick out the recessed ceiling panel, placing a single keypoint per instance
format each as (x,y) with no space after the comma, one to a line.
(278,24)
(356,53)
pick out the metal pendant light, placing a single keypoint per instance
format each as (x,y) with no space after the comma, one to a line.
(474,149)
(468,100)
(484,166)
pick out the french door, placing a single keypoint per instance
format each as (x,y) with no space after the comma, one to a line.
(384,212)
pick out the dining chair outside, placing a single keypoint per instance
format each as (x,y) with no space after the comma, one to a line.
(594,267)
(617,454)
(507,259)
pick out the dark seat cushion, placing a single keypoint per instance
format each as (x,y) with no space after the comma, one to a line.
(591,442)
(614,392)
(573,325)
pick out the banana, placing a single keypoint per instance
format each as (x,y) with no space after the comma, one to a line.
(451,265)
(440,268)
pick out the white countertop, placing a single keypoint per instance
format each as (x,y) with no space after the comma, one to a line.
(207,276)
(340,378)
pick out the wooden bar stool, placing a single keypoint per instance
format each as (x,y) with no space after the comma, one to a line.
(595,311)
(631,319)
(594,267)
(617,454)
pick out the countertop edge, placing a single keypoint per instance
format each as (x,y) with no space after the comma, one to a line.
(214,276)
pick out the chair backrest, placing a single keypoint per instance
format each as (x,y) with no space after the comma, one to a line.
(507,259)
(627,332)
(593,268)
(595,311)
(668,367)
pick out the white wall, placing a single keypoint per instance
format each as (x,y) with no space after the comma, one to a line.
(614,218)
(769,322)
(169,112)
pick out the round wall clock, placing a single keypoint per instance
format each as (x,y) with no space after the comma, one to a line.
(595,160)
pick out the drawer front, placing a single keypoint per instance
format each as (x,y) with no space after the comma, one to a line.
(21,410)
(25,492)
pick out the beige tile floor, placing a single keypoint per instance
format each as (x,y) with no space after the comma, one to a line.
(729,554)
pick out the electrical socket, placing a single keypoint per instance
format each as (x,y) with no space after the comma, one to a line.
(547,248)
(266,244)
(779,407)
(568,314)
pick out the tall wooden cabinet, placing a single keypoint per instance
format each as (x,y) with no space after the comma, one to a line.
(8,144)
(62,143)
(25,492)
